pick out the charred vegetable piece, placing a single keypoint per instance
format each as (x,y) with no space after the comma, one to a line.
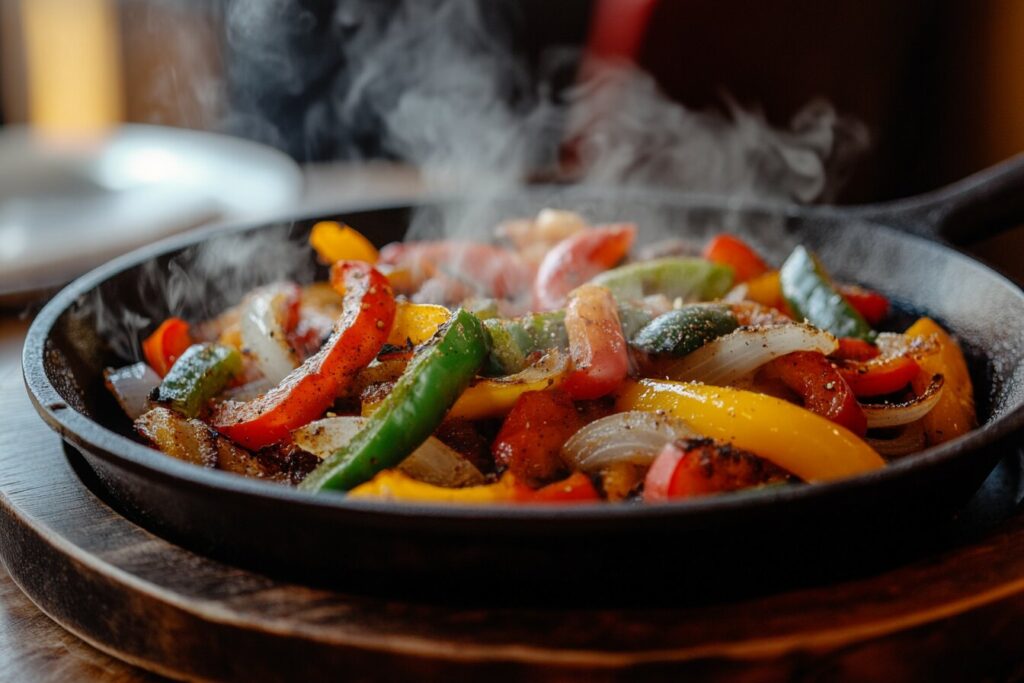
(578,258)
(698,467)
(199,375)
(954,415)
(879,376)
(685,330)
(507,343)
(600,359)
(687,278)
(533,433)
(811,295)
(435,378)
(193,441)
(795,439)
(311,388)
(166,344)
(729,250)
(822,388)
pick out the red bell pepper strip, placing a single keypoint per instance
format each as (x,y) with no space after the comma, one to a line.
(822,388)
(310,389)
(879,376)
(166,345)
(697,467)
(577,488)
(851,348)
(729,250)
(502,272)
(872,306)
(596,344)
(533,433)
(578,258)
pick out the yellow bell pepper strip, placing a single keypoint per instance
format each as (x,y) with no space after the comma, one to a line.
(795,439)
(395,485)
(416,323)
(766,290)
(494,397)
(337,242)
(954,414)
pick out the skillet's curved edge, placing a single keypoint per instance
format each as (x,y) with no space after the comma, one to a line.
(106,444)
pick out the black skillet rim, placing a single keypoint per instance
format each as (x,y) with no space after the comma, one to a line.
(92,436)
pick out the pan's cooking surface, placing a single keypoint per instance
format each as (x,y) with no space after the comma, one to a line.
(67,351)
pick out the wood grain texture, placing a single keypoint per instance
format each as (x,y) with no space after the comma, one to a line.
(955,615)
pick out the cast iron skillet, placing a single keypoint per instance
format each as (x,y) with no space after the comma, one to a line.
(811,530)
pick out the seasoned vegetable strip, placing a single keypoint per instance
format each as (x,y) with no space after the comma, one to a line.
(684,330)
(954,415)
(810,295)
(311,388)
(688,278)
(578,258)
(436,377)
(793,438)
(199,375)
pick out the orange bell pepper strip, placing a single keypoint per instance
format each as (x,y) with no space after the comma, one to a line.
(954,414)
(310,389)
(337,242)
(166,344)
(729,250)
(795,439)
(578,258)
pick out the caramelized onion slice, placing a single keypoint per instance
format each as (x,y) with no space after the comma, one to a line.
(882,415)
(731,356)
(263,331)
(633,437)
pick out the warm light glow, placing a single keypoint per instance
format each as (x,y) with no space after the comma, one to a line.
(73,62)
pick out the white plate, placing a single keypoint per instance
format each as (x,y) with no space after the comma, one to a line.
(66,207)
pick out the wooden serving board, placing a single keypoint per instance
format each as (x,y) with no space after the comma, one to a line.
(957,614)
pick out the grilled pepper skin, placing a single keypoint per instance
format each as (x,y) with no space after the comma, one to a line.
(809,293)
(197,376)
(685,330)
(435,378)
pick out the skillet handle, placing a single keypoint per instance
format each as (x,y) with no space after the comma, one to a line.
(979,206)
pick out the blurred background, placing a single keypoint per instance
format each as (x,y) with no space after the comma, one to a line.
(921,93)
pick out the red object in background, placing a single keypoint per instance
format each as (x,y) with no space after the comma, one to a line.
(618,28)
(871,305)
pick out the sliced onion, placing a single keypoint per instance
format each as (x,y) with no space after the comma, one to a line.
(882,415)
(634,437)
(131,386)
(910,440)
(742,351)
(263,331)
(434,462)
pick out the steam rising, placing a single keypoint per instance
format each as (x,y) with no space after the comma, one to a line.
(443,83)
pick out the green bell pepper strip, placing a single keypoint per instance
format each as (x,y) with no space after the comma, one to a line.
(689,278)
(512,341)
(809,293)
(197,376)
(435,378)
(685,330)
